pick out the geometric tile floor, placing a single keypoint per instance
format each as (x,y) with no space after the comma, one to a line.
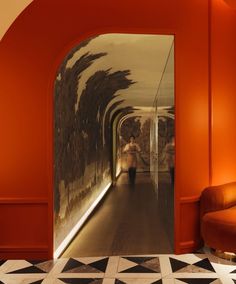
(150,269)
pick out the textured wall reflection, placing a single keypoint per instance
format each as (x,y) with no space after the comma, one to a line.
(82,135)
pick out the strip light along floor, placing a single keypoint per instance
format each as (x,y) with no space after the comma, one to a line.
(118,173)
(76,228)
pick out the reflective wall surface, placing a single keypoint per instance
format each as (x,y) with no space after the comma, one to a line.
(162,154)
(97,78)
(139,126)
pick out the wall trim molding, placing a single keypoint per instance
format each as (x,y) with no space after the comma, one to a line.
(190,199)
(24,201)
(187,244)
(24,248)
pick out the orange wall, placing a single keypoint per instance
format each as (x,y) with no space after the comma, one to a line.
(223,93)
(30,53)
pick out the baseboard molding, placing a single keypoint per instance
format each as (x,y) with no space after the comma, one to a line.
(190,246)
(24,201)
(24,249)
(35,253)
(190,199)
(190,205)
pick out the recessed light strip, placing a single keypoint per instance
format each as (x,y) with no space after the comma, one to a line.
(76,228)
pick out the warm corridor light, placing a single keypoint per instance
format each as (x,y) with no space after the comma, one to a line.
(76,228)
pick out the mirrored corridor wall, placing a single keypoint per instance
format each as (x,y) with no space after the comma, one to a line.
(100,76)
(163,144)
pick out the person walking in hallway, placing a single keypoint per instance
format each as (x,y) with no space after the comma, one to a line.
(131,149)
(170,158)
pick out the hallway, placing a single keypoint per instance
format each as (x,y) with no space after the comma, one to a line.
(128,221)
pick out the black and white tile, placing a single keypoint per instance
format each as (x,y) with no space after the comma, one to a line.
(148,269)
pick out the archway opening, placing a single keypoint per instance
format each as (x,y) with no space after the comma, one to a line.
(103,76)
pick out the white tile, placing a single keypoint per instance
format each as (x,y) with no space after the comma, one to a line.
(222,269)
(225,280)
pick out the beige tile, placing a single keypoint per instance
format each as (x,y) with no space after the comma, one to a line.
(58,267)
(138,275)
(112,266)
(79,275)
(168,281)
(125,264)
(138,280)
(20,279)
(225,280)
(223,269)
(51,280)
(87,260)
(12,265)
(195,275)
(108,281)
(189,258)
(165,265)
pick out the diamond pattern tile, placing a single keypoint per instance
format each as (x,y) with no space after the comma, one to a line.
(142,265)
(77,266)
(150,269)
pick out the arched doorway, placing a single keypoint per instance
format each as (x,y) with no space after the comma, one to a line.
(98,77)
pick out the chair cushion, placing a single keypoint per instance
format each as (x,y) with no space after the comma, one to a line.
(219,229)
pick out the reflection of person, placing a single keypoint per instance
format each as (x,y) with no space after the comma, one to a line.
(131,149)
(170,158)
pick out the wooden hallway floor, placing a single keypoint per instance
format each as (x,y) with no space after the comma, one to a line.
(128,221)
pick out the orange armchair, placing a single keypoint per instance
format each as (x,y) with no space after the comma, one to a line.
(218,217)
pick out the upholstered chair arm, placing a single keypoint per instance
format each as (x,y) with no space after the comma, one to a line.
(216,198)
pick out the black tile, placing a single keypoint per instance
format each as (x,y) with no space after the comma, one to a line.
(37,282)
(117,281)
(138,260)
(36,261)
(81,280)
(233,271)
(100,264)
(26,270)
(197,280)
(2,261)
(138,269)
(46,265)
(177,264)
(205,263)
(71,264)
(157,282)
